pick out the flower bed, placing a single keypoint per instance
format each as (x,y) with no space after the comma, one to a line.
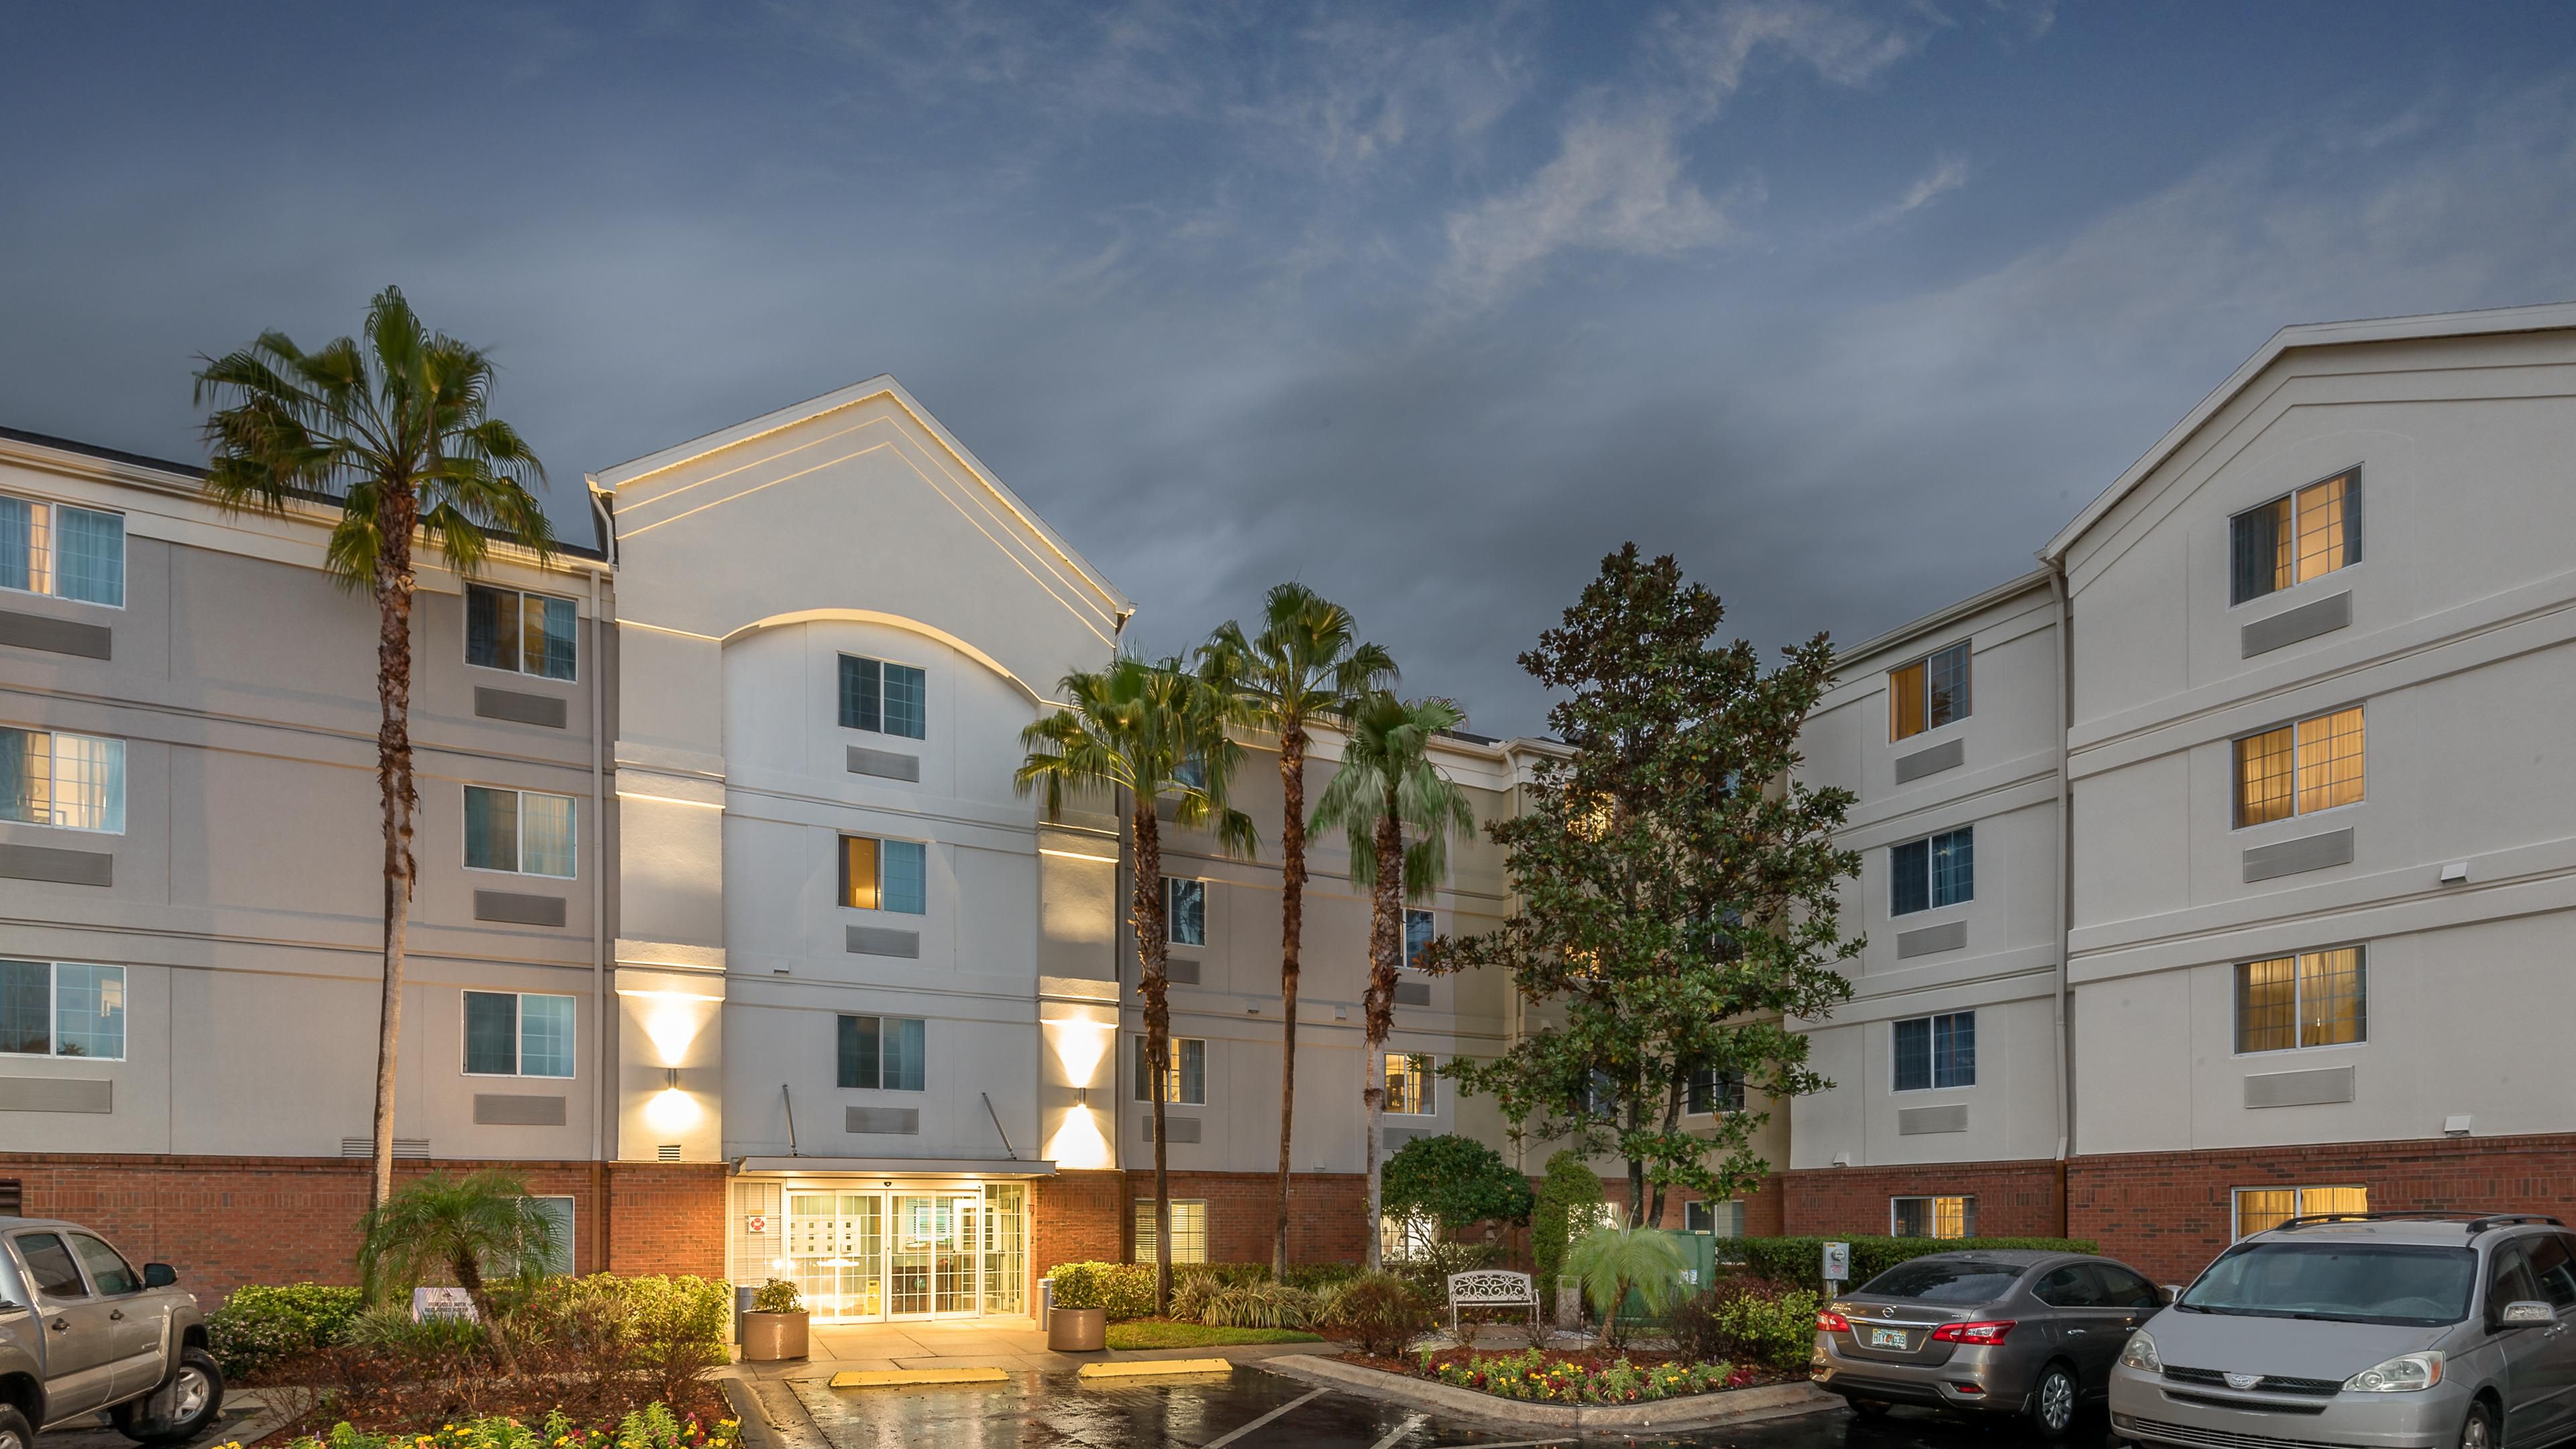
(653,1427)
(1540,1376)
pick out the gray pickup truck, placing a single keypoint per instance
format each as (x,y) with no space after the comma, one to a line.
(82,1332)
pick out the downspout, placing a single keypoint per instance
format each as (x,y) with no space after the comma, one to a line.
(604,1098)
(2065,877)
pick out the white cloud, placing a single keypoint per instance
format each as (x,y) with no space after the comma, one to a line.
(1947,175)
(1613,186)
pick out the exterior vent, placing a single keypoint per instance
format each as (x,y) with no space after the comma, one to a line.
(1413,993)
(494,1109)
(1950,937)
(667,1152)
(880,1121)
(1944,756)
(1182,1129)
(57,1094)
(518,707)
(55,636)
(62,867)
(1182,973)
(2292,625)
(884,764)
(1396,1137)
(406,1149)
(2290,857)
(13,1198)
(2299,1089)
(517,909)
(1923,1121)
(879,941)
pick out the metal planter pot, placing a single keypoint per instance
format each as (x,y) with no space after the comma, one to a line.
(1078,1330)
(767,1337)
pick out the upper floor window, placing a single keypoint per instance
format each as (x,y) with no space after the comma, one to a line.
(1936,1051)
(885,875)
(2316,998)
(2295,538)
(890,699)
(54,548)
(62,1009)
(1419,929)
(1184,1081)
(76,782)
(1932,1217)
(526,633)
(2299,768)
(1184,911)
(1928,693)
(885,1053)
(1939,870)
(1713,1091)
(525,832)
(518,1034)
(1408,1084)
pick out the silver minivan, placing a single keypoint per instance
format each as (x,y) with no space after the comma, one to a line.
(2379,1330)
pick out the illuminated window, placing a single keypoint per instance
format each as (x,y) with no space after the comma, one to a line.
(70,553)
(1185,911)
(2298,769)
(524,832)
(521,632)
(2258,1208)
(1189,1230)
(1932,1217)
(2295,538)
(2317,998)
(1928,693)
(890,699)
(1184,1080)
(76,782)
(62,1009)
(884,875)
(1408,1084)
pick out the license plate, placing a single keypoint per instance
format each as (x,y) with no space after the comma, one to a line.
(1887,1338)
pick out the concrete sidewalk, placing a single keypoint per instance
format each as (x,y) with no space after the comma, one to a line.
(1003,1343)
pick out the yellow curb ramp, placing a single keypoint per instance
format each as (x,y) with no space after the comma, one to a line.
(1145,1367)
(906,1378)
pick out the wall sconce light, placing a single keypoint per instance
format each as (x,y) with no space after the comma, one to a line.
(671,1077)
(1082,1096)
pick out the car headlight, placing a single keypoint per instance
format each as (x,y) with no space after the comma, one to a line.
(2141,1354)
(2405,1374)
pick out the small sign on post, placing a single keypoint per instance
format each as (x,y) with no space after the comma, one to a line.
(429,1303)
(1837,1267)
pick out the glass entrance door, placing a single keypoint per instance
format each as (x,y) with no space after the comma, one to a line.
(873,1255)
(836,1242)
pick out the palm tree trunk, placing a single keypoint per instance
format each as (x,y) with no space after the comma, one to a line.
(469,1276)
(397,512)
(1292,927)
(1386,948)
(1153,948)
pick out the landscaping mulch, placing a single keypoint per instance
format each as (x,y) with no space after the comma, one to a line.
(1589,1361)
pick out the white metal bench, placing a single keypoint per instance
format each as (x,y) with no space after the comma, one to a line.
(1491,1288)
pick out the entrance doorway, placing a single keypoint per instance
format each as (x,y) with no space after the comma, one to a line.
(888,1255)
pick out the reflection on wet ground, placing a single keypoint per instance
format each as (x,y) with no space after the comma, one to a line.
(1250,1409)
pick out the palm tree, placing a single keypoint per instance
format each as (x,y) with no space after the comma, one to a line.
(1610,1262)
(1387,783)
(473,1228)
(394,429)
(1304,665)
(1146,731)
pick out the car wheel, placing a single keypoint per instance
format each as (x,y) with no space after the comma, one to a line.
(181,1408)
(2478,1430)
(2052,1403)
(1870,1408)
(15,1432)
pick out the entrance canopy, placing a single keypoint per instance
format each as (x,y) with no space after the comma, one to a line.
(895,1167)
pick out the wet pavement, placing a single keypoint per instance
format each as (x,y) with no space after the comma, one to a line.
(1250,1409)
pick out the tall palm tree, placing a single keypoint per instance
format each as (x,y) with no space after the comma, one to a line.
(395,430)
(1304,666)
(1147,732)
(1386,785)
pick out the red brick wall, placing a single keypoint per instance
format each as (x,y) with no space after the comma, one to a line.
(2014,1199)
(1762,1206)
(666,1218)
(1327,1213)
(2169,1213)
(1074,1218)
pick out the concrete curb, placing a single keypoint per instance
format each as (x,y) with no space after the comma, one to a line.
(1698,1411)
(770,1415)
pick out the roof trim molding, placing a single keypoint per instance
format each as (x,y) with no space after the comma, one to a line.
(1945,616)
(893,621)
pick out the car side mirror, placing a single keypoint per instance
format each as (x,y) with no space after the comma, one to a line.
(159,1275)
(2528,1313)
(2168,1293)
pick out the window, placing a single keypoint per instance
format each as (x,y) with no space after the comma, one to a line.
(1928,693)
(50,1264)
(1718,1219)
(1712,1091)
(76,782)
(1185,911)
(1932,1217)
(108,1269)
(517,1034)
(1184,1081)
(1936,1051)
(1189,1230)
(524,633)
(2295,538)
(62,1009)
(2299,769)
(884,875)
(523,832)
(1940,870)
(1408,1084)
(2316,998)
(558,1215)
(2258,1208)
(885,1053)
(1419,929)
(2554,1270)
(70,553)
(2073,1286)
(891,699)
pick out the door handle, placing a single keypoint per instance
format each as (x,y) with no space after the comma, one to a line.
(2075,1333)
(116,1315)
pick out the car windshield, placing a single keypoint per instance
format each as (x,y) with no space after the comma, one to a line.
(2348,1282)
(1944,1280)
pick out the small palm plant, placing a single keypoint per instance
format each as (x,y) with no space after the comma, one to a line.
(1611,1263)
(477,1229)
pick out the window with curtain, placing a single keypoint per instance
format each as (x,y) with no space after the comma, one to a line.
(1185,911)
(2316,998)
(518,1034)
(1712,1092)
(1928,693)
(54,548)
(1717,1219)
(885,1053)
(62,1009)
(72,782)
(521,632)
(1409,1091)
(523,832)
(1420,928)
(2298,769)
(2261,1208)
(891,699)
(1189,1231)
(1939,870)
(1184,1081)
(885,875)
(1932,1217)
(2296,537)
(1936,1051)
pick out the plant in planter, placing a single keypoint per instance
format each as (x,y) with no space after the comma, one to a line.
(776,1327)
(1079,1320)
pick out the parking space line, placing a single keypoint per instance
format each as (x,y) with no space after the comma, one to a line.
(1264,1419)
(1411,1423)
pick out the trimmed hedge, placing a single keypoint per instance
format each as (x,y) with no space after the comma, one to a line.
(1801,1260)
(257,1324)
(1127,1289)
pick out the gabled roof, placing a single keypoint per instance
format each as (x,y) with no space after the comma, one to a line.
(2542,318)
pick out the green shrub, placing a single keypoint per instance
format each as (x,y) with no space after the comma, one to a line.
(1569,1191)
(1376,1313)
(1454,1181)
(1613,1263)
(652,1313)
(652,1427)
(778,1295)
(1252,1305)
(1317,1277)
(1746,1320)
(1801,1260)
(257,1325)
(425,1347)
(1191,1290)
(1125,1289)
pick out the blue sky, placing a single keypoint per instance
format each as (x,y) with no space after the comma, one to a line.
(1430,306)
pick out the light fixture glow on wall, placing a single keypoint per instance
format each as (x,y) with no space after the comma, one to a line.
(671,1111)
